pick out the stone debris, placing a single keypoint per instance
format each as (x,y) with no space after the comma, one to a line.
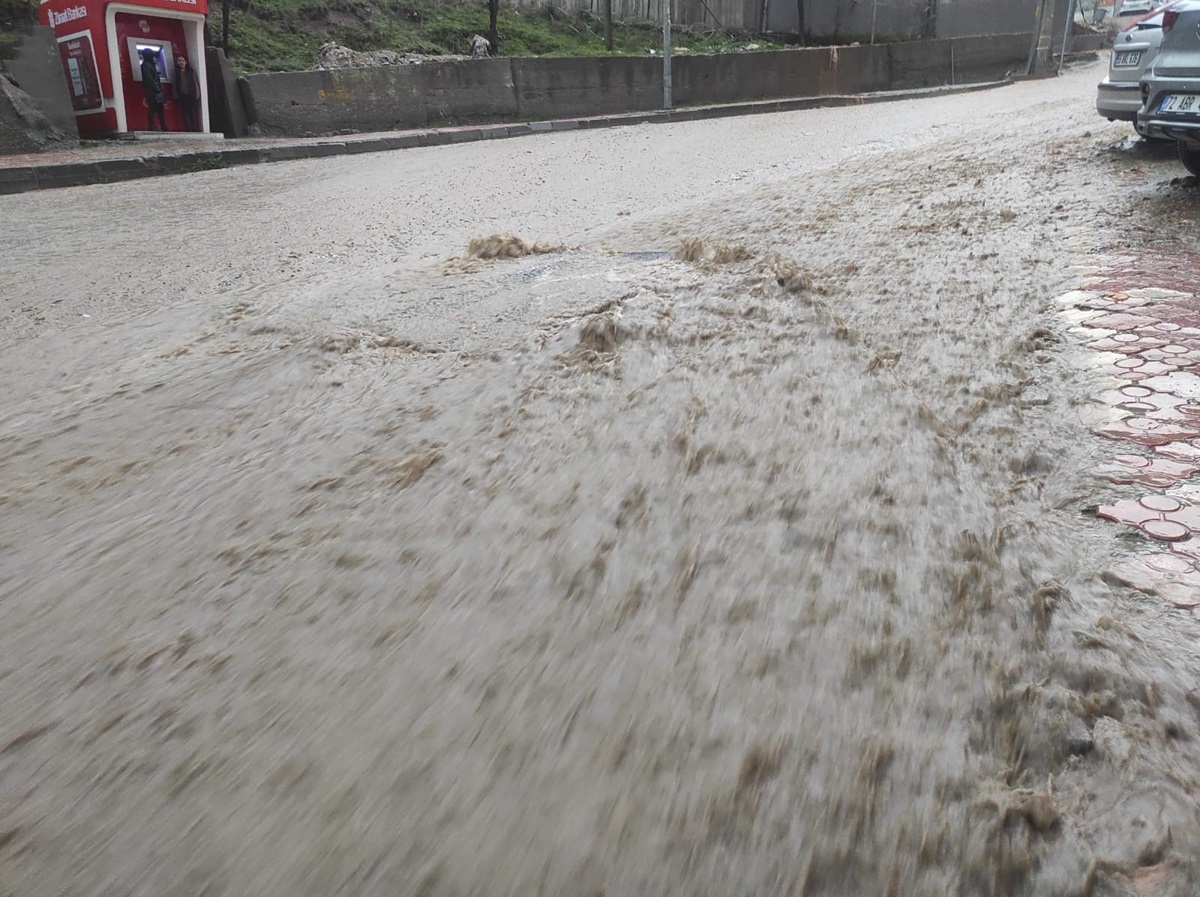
(333,55)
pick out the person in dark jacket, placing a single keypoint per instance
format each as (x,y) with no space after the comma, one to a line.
(152,84)
(187,92)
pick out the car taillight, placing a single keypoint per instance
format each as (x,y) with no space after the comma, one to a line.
(1170,17)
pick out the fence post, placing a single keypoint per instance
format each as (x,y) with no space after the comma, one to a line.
(666,17)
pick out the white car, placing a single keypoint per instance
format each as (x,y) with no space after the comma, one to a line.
(1118,96)
(1134,9)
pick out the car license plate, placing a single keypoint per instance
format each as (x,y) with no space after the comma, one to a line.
(1181,104)
(1127,59)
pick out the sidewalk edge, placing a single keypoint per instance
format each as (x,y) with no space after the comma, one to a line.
(25,178)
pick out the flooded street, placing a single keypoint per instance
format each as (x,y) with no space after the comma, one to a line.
(736,538)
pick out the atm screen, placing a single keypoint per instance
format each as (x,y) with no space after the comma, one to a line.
(160,59)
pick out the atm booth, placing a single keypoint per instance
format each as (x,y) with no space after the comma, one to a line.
(101,42)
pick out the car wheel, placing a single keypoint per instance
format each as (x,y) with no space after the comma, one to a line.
(1190,157)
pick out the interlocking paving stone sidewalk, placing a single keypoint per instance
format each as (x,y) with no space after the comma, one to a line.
(1141,314)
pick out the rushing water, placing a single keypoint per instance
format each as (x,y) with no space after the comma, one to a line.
(733,548)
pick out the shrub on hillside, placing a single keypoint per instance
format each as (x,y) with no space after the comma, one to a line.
(17,15)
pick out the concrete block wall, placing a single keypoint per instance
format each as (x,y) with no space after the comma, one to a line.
(931,63)
(226,110)
(385,98)
(737,77)
(544,88)
(504,90)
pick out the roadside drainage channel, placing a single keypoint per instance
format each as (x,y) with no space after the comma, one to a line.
(1142,328)
(82,172)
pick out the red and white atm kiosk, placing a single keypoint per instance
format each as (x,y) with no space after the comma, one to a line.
(100,42)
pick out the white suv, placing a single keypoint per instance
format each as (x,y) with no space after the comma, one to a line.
(1171,90)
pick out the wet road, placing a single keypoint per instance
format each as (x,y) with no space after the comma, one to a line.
(732,545)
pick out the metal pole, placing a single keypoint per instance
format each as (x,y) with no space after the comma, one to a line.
(666,17)
(1039,13)
(1062,56)
(874,10)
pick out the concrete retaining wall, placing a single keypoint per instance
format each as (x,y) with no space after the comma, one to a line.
(386,98)
(495,90)
(736,77)
(556,88)
(226,109)
(963,59)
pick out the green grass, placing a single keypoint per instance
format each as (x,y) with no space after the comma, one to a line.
(8,39)
(284,35)
(16,18)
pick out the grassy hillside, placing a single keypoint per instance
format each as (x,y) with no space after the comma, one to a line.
(283,35)
(16,16)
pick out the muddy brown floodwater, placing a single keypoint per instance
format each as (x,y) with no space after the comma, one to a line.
(733,544)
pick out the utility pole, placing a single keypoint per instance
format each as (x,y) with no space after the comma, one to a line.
(1041,50)
(608,43)
(666,17)
(493,31)
(1067,26)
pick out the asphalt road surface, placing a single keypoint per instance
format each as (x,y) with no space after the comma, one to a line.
(722,536)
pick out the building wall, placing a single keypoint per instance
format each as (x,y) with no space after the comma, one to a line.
(891,19)
(827,19)
(734,15)
(959,18)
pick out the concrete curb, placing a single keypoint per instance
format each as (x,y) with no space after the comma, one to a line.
(24,178)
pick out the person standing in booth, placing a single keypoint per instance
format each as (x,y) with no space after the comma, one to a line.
(187,92)
(152,85)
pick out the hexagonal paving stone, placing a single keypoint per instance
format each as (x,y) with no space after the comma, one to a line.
(1150,432)
(1184,384)
(1143,369)
(1113,302)
(1132,344)
(1145,402)
(1141,318)
(1179,451)
(1160,473)
(1172,576)
(1159,517)
(1122,321)
(1174,355)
